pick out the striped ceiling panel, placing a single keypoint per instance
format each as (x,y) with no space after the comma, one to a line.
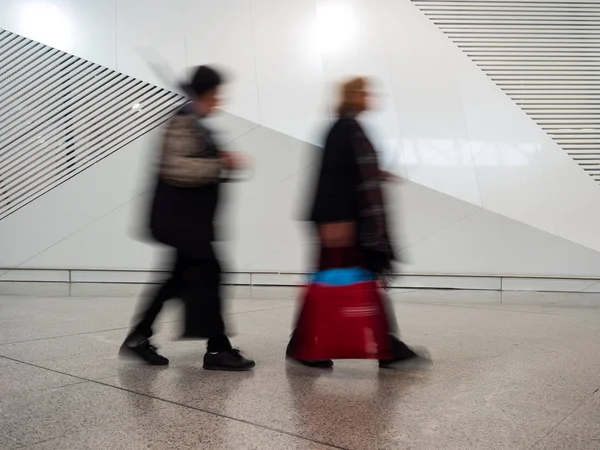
(544,54)
(61,114)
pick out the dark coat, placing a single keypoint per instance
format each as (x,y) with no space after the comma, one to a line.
(187,187)
(337,194)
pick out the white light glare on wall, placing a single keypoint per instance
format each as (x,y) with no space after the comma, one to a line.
(46,24)
(337,26)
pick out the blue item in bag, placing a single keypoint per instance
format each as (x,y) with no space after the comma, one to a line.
(342,276)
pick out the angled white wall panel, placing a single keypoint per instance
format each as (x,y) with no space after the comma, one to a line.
(91,27)
(18,16)
(557,257)
(545,187)
(489,192)
(487,243)
(436,143)
(31,19)
(436,233)
(96,220)
(417,212)
(279,244)
(480,243)
(543,54)
(256,217)
(265,211)
(84,28)
(116,240)
(574,195)
(354,42)
(73,205)
(289,67)
(220,32)
(505,144)
(527,195)
(151,24)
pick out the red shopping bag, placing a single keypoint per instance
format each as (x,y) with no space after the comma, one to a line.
(342,322)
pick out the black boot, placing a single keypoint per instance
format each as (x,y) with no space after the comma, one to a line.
(317,364)
(404,357)
(228,360)
(320,364)
(143,350)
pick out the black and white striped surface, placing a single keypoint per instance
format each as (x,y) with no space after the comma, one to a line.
(544,54)
(61,114)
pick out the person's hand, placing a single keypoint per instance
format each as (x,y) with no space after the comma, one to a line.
(390,177)
(337,234)
(235,160)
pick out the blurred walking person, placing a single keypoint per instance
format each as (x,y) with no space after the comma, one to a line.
(349,212)
(182,217)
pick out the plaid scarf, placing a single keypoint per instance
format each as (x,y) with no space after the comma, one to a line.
(372,225)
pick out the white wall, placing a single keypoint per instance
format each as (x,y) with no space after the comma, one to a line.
(488,191)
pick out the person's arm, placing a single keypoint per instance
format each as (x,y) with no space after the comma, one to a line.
(180,166)
(337,234)
(235,160)
(335,204)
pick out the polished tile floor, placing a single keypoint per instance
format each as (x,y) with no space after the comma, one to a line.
(512,371)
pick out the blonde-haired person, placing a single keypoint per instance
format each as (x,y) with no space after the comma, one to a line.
(348,209)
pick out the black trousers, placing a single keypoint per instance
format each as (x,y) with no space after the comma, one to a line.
(196,281)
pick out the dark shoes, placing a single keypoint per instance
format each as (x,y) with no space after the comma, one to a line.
(228,360)
(319,364)
(231,360)
(405,358)
(143,350)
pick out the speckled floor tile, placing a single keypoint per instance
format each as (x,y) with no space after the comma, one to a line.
(504,377)
(37,416)
(585,420)
(171,427)
(559,441)
(509,369)
(44,318)
(28,289)
(90,345)
(7,444)
(16,378)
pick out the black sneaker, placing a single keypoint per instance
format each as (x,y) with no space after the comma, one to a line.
(144,351)
(318,364)
(405,358)
(229,360)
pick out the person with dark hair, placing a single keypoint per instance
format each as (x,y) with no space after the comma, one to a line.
(182,217)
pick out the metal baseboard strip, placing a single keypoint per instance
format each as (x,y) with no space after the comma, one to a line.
(479,282)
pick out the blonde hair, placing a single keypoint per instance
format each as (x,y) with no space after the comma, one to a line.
(347,91)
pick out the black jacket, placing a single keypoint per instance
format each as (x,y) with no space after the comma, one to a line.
(187,187)
(335,195)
